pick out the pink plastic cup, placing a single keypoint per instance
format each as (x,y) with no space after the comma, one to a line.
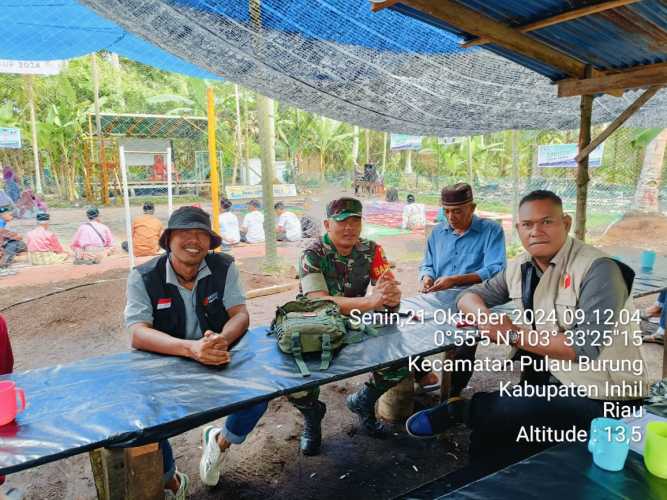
(10,405)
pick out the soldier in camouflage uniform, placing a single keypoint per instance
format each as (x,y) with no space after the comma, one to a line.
(340,266)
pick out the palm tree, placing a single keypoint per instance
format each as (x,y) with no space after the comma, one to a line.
(325,134)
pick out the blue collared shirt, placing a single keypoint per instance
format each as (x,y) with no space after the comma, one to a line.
(480,250)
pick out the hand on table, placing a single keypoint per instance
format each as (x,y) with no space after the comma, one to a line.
(211,349)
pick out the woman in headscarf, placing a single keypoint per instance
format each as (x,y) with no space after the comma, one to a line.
(11,185)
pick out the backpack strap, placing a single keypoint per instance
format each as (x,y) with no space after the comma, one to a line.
(296,352)
(326,352)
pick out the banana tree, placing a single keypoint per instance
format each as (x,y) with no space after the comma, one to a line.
(292,127)
(325,134)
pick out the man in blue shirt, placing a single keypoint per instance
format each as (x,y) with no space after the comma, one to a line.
(460,252)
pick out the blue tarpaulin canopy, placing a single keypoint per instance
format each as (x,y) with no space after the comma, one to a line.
(383,71)
(62,29)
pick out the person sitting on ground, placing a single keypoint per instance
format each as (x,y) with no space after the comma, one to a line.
(229,223)
(5,201)
(659,309)
(28,205)
(288,227)
(567,293)
(340,266)
(11,243)
(44,248)
(461,252)
(413,214)
(11,184)
(391,195)
(311,226)
(146,232)
(252,227)
(92,241)
(7,492)
(206,314)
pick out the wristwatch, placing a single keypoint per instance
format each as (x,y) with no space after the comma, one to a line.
(513,336)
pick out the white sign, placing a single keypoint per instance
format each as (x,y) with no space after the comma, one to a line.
(10,138)
(563,156)
(31,67)
(249,192)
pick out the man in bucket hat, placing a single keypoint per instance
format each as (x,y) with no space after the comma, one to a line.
(190,303)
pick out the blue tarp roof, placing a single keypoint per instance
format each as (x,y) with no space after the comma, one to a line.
(61,29)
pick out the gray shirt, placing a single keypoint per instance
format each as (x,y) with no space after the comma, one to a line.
(602,289)
(139,309)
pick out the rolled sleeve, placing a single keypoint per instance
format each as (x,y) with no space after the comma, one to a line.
(493,291)
(495,259)
(234,291)
(426,269)
(138,308)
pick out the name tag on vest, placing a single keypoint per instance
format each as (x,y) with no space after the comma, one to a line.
(211,298)
(163,304)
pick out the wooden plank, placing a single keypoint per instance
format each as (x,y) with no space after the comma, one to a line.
(109,473)
(378,6)
(470,21)
(569,15)
(586,111)
(269,290)
(622,118)
(446,376)
(143,473)
(638,77)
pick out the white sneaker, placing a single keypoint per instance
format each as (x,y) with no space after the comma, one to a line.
(212,458)
(182,493)
(8,492)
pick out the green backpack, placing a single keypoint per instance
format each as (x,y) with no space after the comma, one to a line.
(314,325)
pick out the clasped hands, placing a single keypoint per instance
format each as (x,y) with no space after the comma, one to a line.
(211,349)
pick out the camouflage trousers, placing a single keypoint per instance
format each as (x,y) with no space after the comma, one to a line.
(381,380)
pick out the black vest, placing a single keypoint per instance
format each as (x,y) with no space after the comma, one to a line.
(168,306)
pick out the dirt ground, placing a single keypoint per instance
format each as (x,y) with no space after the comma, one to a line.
(57,316)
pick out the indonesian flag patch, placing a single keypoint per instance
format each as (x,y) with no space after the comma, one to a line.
(567,281)
(163,304)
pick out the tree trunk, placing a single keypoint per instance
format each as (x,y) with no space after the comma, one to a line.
(648,186)
(267,142)
(408,162)
(239,141)
(368,146)
(355,147)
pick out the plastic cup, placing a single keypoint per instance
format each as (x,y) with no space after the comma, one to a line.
(647,260)
(9,406)
(609,442)
(655,449)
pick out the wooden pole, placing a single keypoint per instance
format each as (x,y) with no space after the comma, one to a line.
(471,176)
(213,160)
(586,111)
(515,182)
(33,129)
(126,205)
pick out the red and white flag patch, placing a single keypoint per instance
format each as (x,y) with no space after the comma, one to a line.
(567,281)
(163,304)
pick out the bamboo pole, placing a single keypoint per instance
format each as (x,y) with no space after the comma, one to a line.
(126,205)
(104,184)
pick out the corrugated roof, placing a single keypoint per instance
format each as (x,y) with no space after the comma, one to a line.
(619,38)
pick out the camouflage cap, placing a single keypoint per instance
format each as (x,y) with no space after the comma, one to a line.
(342,208)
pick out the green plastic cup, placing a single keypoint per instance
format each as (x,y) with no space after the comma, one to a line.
(655,449)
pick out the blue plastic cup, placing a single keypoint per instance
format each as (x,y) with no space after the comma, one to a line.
(648,260)
(609,442)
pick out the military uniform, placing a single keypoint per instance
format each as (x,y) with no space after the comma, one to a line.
(322,268)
